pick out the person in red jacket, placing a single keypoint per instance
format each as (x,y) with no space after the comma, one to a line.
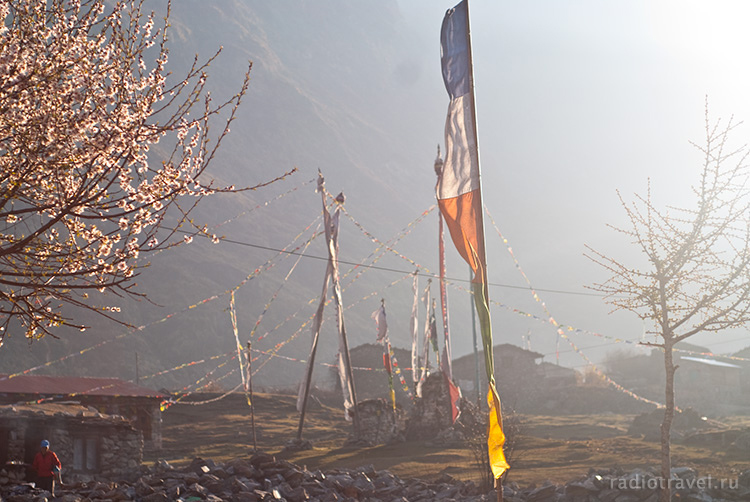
(46,465)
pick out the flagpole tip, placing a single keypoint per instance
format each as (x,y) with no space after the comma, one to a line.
(321,182)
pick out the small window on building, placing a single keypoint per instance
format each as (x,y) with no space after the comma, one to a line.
(85,454)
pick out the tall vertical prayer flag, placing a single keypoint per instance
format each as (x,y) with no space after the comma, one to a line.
(382,337)
(460,199)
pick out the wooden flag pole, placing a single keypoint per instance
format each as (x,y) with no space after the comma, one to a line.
(307,386)
(250,390)
(350,375)
(476,350)
(472,97)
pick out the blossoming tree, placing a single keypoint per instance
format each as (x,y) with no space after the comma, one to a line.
(99,143)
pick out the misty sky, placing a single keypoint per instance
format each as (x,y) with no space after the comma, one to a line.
(576,100)
(579,99)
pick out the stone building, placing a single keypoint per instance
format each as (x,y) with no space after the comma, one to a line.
(90,445)
(112,396)
(517,373)
(370,378)
(558,376)
(710,382)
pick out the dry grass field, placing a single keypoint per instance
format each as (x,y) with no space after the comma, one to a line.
(556,448)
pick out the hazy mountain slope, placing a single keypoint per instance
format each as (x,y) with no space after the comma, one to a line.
(332,88)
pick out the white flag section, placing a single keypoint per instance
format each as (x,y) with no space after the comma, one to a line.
(460,151)
(347,385)
(413,326)
(381,322)
(424,361)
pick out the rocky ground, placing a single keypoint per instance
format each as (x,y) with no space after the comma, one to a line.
(262,477)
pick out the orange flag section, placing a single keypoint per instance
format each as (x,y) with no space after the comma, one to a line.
(495,434)
(463,216)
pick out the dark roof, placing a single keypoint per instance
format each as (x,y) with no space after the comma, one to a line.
(517,350)
(500,349)
(69,386)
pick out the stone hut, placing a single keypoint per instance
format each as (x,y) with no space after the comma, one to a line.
(90,445)
(711,382)
(517,372)
(110,396)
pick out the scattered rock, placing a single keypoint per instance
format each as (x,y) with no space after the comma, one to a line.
(262,478)
(298,445)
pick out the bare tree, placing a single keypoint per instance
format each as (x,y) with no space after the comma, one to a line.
(697,273)
(97,147)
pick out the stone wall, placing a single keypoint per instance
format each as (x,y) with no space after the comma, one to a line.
(122,454)
(379,422)
(432,412)
(143,413)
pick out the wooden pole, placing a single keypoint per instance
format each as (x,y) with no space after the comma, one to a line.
(307,385)
(472,97)
(350,374)
(250,390)
(476,350)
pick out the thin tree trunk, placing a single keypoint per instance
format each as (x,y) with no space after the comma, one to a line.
(666,426)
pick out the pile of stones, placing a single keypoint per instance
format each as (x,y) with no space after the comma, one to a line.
(262,478)
(685,422)
(258,478)
(616,485)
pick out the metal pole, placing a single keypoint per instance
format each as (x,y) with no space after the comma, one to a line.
(137,371)
(250,390)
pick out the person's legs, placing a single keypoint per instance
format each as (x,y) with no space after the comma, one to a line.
(46,483)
